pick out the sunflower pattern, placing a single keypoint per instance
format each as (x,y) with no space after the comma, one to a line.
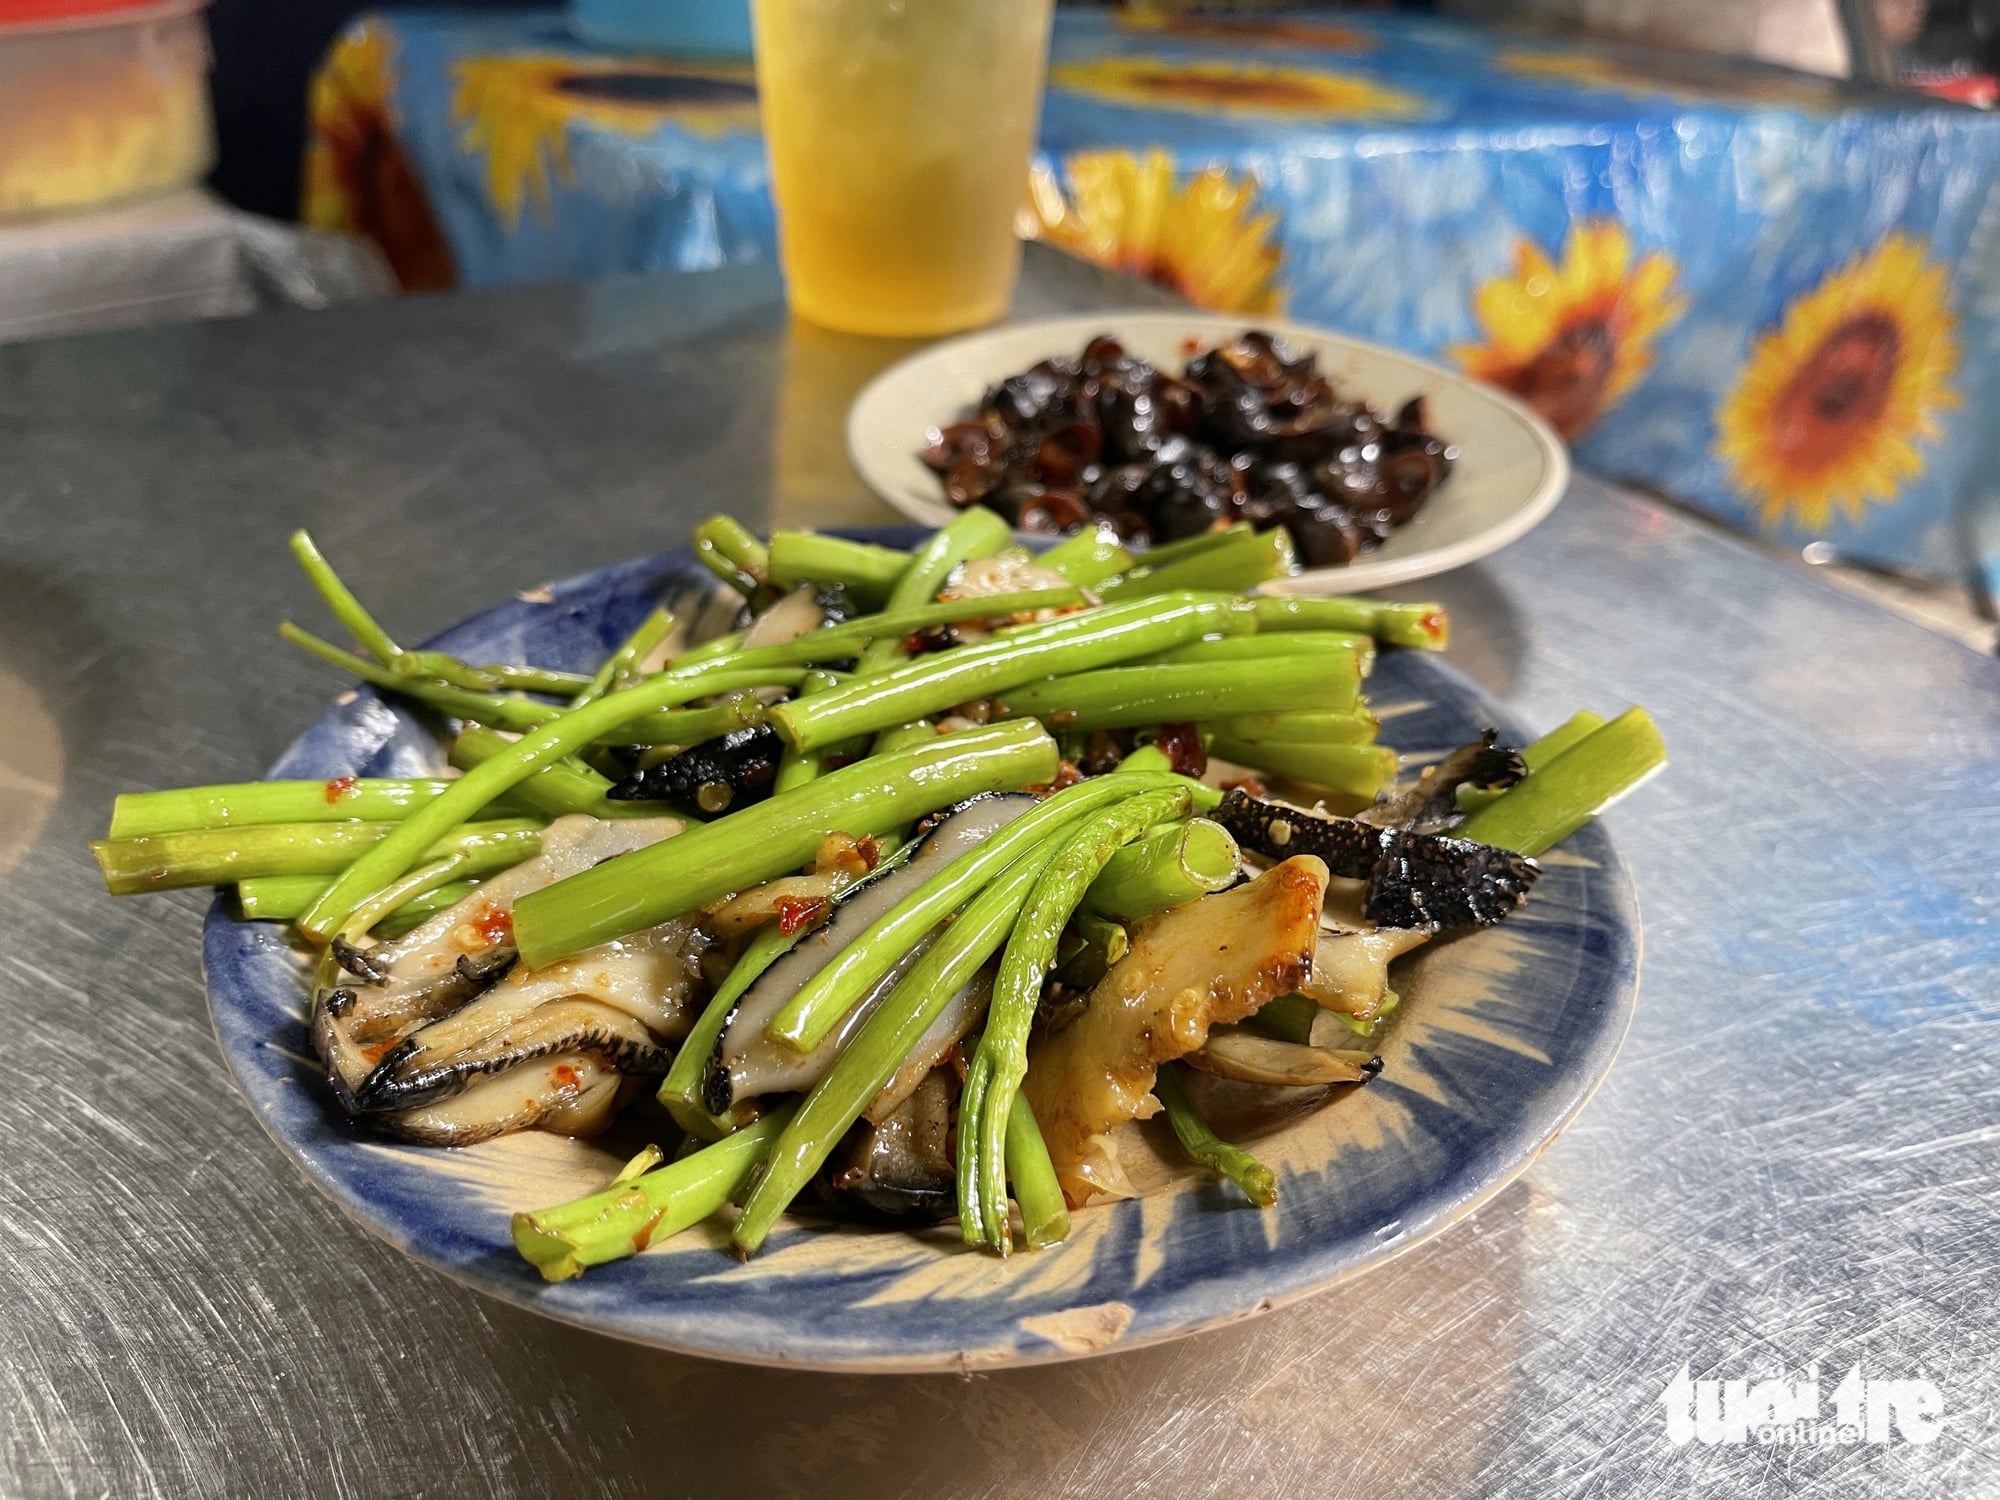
(1828,413)
(1264,31)
(1592,228)
(1204,238)
(1572,338)
(1686,78)
(1230,88)
(517,109)
(357,178)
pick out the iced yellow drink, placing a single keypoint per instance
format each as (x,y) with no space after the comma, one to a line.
(899,134)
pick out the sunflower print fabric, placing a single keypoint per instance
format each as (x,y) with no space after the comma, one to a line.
(1769,296)
(1200,87)
(1571,338)
(517,112)
(1837,405)
(358,179)
(1200,234)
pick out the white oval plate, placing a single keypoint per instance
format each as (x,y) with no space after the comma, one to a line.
(1511,469)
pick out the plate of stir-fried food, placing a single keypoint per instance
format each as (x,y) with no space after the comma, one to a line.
(903,950)
(1341,464)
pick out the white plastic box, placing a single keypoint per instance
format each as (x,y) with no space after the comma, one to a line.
(103,106)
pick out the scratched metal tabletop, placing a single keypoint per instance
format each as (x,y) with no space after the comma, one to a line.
(1796,1162)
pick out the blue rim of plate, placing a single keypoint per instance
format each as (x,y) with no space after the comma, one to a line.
(1503,1037)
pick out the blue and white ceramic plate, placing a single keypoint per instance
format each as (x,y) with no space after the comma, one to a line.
(1502,1037)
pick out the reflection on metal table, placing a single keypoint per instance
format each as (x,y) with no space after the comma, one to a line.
(1790,1166)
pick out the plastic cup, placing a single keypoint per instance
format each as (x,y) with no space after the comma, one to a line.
(899,134)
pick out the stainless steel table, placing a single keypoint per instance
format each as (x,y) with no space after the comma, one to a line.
(1794,1162)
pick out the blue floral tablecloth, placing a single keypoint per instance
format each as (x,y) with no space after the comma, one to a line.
(1767,295)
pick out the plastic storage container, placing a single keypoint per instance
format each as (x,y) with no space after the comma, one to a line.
(681,28)
(100,102)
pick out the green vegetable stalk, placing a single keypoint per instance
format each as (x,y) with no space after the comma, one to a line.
(561,787)
(1168,866)
(832,643)
(497,709)
(435,665)
(810,1016)
(496,677)
(1205,1148)
(795,769)
(223,856)
(680,1090)
(1001,1062)
(1161,553)
(1133,697)
(871,1058)
(1088,558)
(628,1216)
(559,737)
(1424,627)
(867,571)
(622,666)
(1537,755)
(1535,815)
(1288,1018)
(1236,648)
(1090,946)
(280,898)
(251,803)
(1358,726)
(770,838)
(1234,560)
(346,608)
(1044,1213)
(976,532)
(727,549)
(936,683)
(676,726)
(1358,771)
